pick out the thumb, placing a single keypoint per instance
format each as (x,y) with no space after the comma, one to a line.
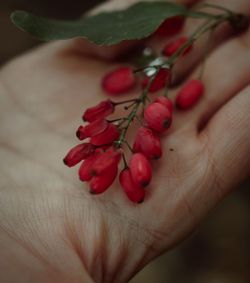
(228,142)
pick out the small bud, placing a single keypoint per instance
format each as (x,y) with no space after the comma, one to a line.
(119,81)
(91,130)
(158,117)
(166,102)
(100,111)
(141,171)
(189,95)
(148,143)
(173,46)
(170,27)
(78,153)
(159,82)
(134,192)
(102,182)
(108,136)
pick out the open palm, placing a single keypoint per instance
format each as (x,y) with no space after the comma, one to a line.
(51,228)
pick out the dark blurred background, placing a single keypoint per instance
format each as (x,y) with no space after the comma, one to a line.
(14,41)
(219,251)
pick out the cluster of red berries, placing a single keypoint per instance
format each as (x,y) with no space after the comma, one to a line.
(101,153)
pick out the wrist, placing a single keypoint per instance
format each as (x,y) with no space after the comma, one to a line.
(111,248)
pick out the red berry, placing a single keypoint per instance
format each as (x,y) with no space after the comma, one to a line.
(170,26)
(119,81)
(80,133)
(106,137)
(141,171)
(93,129)
(85,170)
(190,94)
(134,192)
(78,153)
(148,143)
(105,160)
(172,47)
(158,117)
(102,182)
(159,82)
(100,111)
(166,102)
(137,145)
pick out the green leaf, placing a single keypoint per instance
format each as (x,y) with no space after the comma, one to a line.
(136,22)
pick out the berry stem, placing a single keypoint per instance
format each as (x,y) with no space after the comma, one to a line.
(124,161)
(218,7)
(128,145)
(131,105)
(117,120)
(208,25)
(125,102)
(139,119)
(130,118)
(143,69)
(134,111)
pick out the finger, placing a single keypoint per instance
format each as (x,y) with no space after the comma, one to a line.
(226,73)
(205,43)
(115,51)
(227,140)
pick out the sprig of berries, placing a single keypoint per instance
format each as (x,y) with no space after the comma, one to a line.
(104,140)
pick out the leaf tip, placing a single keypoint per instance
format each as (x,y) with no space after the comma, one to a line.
(16,16)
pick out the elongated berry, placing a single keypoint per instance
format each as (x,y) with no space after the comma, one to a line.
(108,136)
(159,82)
(137,145)
(100,111)
(102,182)
(189,95)
(170,27)
(119,81)
(134,192)
(173,46)
(86,168)
(141,171)
(92,129)
(158,117)
(148,143)
(78,153)
(105,160)
(166,102)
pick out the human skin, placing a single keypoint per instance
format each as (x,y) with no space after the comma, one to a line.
(51,228)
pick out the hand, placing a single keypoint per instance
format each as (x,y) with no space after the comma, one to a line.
(51,229)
